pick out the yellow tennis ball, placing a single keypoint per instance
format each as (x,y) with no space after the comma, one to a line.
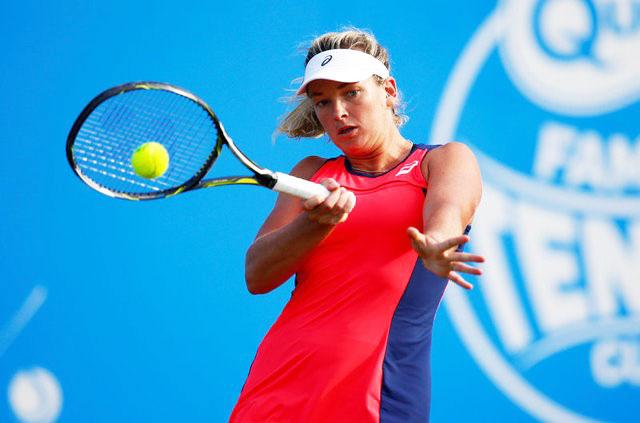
(150,160)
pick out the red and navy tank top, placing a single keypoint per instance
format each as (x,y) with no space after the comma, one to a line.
(353,343)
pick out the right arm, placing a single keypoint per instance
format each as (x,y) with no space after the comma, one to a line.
(293,229)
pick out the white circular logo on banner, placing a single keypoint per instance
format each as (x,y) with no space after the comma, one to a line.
(574,57)
(554,113)
(35,396)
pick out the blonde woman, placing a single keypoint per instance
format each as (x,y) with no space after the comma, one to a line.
(371,260)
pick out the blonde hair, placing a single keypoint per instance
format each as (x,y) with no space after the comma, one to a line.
(302,122)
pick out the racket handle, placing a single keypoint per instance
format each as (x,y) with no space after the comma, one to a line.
(299,187)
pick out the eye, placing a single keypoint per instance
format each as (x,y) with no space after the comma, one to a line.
(353,93)
(320,103)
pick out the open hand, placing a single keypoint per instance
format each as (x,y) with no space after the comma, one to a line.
(442,259)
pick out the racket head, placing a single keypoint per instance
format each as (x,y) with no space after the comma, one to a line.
(120,119)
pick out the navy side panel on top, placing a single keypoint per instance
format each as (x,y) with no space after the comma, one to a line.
(406,377)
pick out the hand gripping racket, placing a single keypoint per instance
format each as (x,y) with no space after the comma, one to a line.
(115,123)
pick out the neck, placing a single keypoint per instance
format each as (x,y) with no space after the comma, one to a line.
(390,152)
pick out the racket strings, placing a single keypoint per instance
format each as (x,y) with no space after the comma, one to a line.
(157,127)
(112,149)
(200,129)
(117,127)
(105,157)
(93,155)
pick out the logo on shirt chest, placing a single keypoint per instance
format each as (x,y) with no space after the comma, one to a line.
(407,168)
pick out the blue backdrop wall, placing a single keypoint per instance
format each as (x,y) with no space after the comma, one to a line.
(122,311)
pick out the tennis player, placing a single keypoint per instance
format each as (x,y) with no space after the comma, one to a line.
(371,261)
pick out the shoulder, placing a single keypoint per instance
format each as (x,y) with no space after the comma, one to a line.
(307,167)
(451,155)
(449,151)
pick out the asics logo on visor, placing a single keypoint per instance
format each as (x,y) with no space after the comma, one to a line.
(326,60)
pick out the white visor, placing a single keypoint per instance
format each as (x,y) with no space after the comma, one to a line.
(342,65)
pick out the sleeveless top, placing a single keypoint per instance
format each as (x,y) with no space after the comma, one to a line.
(353,342)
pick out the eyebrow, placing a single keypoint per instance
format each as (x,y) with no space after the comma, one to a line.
(317,93)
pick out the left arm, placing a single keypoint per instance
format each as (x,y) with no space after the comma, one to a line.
(454,188)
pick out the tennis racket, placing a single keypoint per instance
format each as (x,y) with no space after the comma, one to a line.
(119,120)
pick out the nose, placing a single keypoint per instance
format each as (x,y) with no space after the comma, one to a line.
(339,110)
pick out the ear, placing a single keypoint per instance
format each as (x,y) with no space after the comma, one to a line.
(392,91)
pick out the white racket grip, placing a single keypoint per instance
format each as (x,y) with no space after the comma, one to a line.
(299,187)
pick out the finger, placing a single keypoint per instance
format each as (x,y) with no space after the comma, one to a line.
(465,268)
(342,218)
(456,278)
(453,242)
(331,200)
(351,202)
(312,203)
(418,248)
(339,207)
(416,234)
(466,257)
(330,219)
(417,240)
(330,184)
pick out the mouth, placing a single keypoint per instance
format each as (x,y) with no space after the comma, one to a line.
(346,130)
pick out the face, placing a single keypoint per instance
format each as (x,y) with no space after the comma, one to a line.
(356,116)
